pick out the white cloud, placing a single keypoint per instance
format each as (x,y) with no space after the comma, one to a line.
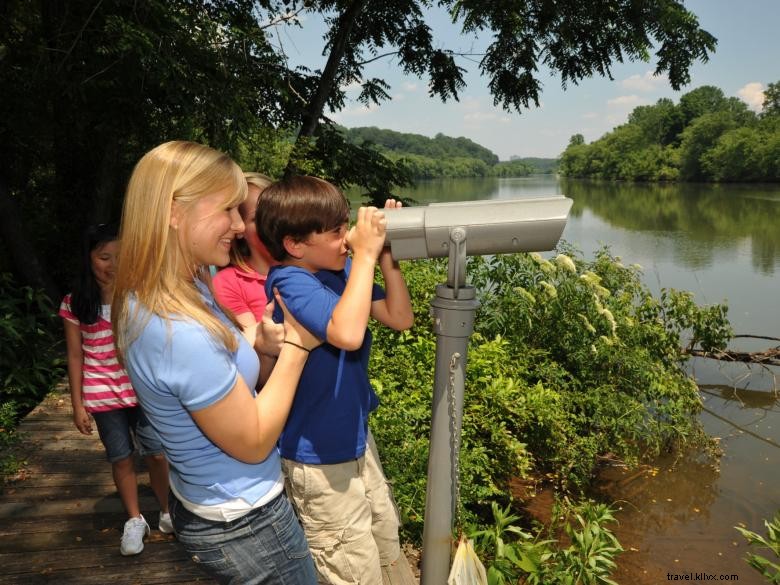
(408,86)
(753,95)
(354,85)
(625,101)
(470,103)
(478,117)
(645,83)
(590,115)
(358,111)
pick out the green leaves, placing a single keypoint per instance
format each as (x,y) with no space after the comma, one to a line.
(570,359)
(29,336)
(513,555)
(706,137)
(769,569)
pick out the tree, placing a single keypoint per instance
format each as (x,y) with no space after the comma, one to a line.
(697,139)
(89,86)
(526,34)
(734,157)
(771,105)
(661,123)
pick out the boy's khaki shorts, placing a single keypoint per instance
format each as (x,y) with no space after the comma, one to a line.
(349,517)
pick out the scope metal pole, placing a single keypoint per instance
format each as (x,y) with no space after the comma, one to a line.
(453,309)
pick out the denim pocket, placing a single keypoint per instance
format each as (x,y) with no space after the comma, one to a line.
(212,560)
(288,530)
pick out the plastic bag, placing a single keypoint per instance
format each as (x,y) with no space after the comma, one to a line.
(466,569)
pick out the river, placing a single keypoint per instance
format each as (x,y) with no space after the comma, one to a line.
(721,242)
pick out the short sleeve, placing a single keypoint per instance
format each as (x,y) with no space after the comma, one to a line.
(307,299)
(185,361)
(66,311)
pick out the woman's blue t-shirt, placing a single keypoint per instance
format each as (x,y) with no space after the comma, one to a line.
(177,367)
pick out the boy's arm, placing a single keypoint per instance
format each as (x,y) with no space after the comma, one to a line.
(349,320)
(395,310)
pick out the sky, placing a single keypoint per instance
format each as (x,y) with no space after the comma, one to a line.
(746,60)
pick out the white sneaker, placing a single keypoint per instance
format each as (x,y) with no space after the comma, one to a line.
(166,524)
(133,536)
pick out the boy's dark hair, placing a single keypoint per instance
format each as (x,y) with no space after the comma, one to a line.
(85,299)
(298,206)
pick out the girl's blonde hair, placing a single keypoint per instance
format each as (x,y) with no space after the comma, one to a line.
(239,250)
(152,265)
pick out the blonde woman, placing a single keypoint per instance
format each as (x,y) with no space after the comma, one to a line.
(194,372)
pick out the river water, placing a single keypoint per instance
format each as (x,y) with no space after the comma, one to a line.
(723,244)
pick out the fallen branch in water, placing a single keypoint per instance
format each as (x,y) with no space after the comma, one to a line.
(768,357)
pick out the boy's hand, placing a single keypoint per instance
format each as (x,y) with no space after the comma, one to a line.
(270,335)
(367,236)
(385,257)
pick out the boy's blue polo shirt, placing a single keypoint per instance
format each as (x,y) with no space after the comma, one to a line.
(328,422)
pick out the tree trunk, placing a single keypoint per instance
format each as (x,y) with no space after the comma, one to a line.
(24,259)
(311,116)
(107,185)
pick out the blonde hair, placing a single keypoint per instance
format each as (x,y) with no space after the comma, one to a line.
(238,249)
(152,264)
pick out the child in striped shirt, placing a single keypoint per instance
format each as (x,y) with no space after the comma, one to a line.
(100,388)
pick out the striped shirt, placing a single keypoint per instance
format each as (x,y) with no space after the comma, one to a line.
(105,384)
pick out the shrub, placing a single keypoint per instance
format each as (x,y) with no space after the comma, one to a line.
(512,554)
(769,570)
(570,360)
(29,340)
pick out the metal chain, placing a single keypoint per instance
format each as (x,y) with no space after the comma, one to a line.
(454,442)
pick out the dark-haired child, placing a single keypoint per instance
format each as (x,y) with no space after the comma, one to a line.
(100,388)
(333,473)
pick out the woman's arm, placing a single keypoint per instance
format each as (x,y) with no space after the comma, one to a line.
(247,427)
(75,354)
(268,343)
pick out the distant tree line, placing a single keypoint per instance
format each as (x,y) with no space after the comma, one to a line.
(442,156)
(707,137)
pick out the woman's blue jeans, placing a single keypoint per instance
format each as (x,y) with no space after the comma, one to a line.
(267,546)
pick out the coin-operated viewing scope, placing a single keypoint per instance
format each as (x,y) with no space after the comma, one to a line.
(457,230)
(472,228)
(491,227)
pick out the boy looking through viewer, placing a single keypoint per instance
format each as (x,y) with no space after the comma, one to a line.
(332,470)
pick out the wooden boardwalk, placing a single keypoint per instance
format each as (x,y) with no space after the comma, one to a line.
(61,518)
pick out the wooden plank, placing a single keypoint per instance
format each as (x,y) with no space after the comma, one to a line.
(85,536)
(17,529)
(41,466)
(108,504)
(44,488)
(150,576)
(89,556)
(61,519)
(35,480)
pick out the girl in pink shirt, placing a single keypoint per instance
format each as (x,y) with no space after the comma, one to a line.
(240,286)
(100,388)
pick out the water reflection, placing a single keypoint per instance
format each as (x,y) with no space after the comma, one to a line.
(716,217)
